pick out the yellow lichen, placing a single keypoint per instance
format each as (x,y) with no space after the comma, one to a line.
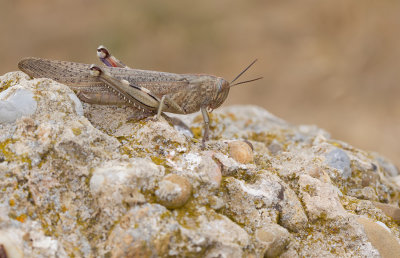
(157,160)
(76,131)
(6,85)
(21,218)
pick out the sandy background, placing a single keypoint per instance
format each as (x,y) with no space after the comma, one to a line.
(335,64)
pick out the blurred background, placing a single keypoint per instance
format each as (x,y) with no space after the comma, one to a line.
(330,63)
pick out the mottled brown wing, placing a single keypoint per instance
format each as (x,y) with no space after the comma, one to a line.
(70,73)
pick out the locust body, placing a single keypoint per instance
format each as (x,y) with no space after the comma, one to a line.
(151,92)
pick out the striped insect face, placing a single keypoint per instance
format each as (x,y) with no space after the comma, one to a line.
(222,89)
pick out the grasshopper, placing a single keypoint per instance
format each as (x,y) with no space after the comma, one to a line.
(151,92)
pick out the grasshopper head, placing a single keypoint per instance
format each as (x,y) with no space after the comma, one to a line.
(222,90)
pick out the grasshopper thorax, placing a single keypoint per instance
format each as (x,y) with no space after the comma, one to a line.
(222,90)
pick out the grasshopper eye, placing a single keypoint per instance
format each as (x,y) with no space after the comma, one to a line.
(221,93)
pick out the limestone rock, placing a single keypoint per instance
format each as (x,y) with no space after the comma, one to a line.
(241,151)
(97,185)
(390,210)
(338,159)
(275,239)
(321,200)
(381,238)
(174,191)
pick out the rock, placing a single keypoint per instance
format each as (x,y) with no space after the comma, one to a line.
(15,104)
(173,191)
(127,239)
(230,166)
(165,236)
(390,210)
(10,245)
(275,239)
(224,252)
(209,172)
(122,183)
(381,238)
(266,200)
(366,193)
(396,180)
(201,169)
(292,214)
(99,185)
(337,158)
(389,168)
(321,199)
(241,151)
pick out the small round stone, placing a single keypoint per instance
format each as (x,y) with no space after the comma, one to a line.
(241,152)
(174,191)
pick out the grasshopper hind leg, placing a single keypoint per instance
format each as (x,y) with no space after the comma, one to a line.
(108,59)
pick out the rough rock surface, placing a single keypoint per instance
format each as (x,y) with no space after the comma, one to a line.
(79,180)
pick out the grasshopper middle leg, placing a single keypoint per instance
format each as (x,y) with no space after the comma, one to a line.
(206,119)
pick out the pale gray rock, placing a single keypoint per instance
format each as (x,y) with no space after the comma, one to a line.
(78,104)
(15,104)
(99,185)
(388,167)
(338,159)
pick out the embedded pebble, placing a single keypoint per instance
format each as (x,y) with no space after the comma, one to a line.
(10,244)
(390,210)
(241,151)
(396,179)
(386,243)
(19,103)
(210,172)
(275,239)
(388,167)
(173,191)
(77,103)
(337,158)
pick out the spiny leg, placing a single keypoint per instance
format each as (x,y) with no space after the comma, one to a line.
(136,96)
(206,119)
(108,59)
(140,95)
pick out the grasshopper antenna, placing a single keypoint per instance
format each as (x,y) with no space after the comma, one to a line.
(252,80)
(242,72)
